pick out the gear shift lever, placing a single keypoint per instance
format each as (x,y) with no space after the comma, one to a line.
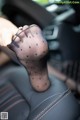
(31,49)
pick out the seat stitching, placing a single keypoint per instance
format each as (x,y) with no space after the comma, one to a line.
(45,100)
(49,98)
(52,104)
(9,100)
(46,108)
(11,106)
(2,89)
(8,89)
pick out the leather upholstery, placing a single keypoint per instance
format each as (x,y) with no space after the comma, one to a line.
(57,103)
(11,101)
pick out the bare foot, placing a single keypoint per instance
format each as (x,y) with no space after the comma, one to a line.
(31,49)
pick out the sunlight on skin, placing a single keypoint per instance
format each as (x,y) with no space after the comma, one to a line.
(7,30)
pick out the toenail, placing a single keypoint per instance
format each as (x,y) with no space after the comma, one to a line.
(25,27)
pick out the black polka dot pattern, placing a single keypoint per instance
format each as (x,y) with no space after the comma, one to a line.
(32,48)
(29,46)
(36,44)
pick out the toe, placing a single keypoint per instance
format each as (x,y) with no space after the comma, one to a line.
(20,33)
(17,39)
(35,29)
(25,27)
(20,28)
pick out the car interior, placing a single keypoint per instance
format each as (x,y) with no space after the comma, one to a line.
(60,25)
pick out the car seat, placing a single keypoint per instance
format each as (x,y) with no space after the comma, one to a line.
(23,103)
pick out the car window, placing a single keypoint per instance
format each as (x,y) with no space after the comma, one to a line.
(47,2)
(52,5)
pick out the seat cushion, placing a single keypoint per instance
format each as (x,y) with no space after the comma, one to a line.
(12,102)
(55,103)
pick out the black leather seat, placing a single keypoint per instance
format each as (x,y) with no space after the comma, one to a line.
(23,103)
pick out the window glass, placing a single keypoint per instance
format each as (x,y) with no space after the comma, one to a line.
(44,2)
